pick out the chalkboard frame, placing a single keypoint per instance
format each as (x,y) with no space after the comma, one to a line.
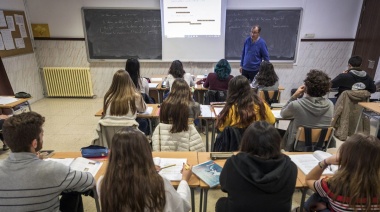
(298,39)
(89,59)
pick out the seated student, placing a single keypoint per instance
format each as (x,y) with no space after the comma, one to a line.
(122,102)
(220,79)
(355,186)
(312,110)
(131,182)
(176,71)
(177,132)
(29,183)
(2,119)
(354,78)
(243,106)
(132,66)
(259,177)
(267,78)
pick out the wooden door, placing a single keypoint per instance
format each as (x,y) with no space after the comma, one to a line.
(367,41)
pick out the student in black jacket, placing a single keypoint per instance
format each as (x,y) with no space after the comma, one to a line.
(354,78)
(260,177)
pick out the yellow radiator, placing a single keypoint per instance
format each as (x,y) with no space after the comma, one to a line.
(68,82)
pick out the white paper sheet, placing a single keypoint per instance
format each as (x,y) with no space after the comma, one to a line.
(206,111)
(2,47)
(19,19)
(80,164)
(277,114)
(20,43)
(22,31)
(153,85)
(148,111)
(7,39)
(7,100)
(3,23)
(172,173)
(156,79)
(11,23)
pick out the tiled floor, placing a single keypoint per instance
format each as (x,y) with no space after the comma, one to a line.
(70,124)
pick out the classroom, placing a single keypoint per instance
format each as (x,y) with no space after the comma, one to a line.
(327,33)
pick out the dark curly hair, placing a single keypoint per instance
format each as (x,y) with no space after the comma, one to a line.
(317,83)
(267,76)
(222,69)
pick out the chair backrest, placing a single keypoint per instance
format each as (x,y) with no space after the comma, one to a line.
(107,134)
(270,96)
(313,138)
(214,96)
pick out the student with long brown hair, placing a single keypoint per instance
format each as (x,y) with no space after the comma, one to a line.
(120,106)
(176,71)
(355,186)
(122,99)
(131,182)
(177,115)
(243,106)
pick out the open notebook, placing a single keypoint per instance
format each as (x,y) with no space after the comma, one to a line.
(306,162)
(80,164)
(172,173)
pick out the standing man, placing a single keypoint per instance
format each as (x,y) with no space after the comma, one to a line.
(254,51)
(354,78)
(29,183)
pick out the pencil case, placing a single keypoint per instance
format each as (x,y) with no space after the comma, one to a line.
(94,151)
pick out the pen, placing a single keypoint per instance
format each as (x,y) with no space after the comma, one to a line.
(167,166)
(187,167)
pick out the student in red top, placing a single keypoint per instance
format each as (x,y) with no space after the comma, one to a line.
(219,80)
(356,184)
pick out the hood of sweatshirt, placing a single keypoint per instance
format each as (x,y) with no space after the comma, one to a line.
(358,73)
(269,176)
(315,105)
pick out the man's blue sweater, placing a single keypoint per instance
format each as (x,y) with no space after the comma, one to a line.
(253,53)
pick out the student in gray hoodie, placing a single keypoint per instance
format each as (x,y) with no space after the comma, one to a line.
(312,110)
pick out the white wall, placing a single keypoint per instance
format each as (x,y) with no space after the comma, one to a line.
(22,70)
(324,18)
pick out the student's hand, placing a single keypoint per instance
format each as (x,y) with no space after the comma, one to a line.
(158,168)
(2,116)
(186,172)
(333,160)
(299,91)
(345,71)
(241,70)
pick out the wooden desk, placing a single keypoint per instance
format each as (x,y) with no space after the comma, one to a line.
(17,103)
(371,110)
(205,156)
(154,113)
(192,159)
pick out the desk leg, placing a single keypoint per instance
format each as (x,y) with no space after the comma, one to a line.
(212,135)
(192,200)
(205,199)
(27,102)
(359,120)
(304,191)
(200,200)
(207,135)
(96,197)
(158,97)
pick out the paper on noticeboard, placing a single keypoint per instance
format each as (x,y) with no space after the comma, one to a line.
(7,39)
(10,22)
(3,23)
(2,47)
(20,44)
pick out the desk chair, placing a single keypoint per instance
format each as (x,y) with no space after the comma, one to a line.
(214,96)
(270,96)
(313,138)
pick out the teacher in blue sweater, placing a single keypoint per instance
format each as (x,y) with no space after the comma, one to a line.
(254,51)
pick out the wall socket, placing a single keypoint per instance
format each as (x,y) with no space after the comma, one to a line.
(309,35)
